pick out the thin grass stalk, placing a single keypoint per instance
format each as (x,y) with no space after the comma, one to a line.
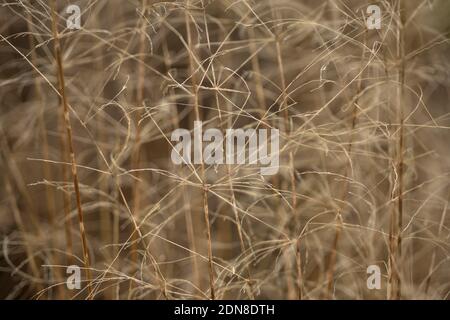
(176,122)
(49,193)
(339,221)
(292,293)
(68,127)
(136,155)
(230,180)
(401,138)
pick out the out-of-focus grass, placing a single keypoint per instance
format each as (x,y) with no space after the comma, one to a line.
(364,156)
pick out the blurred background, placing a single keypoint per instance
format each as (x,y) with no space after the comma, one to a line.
(364,122)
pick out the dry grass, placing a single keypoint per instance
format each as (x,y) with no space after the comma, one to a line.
(86,119)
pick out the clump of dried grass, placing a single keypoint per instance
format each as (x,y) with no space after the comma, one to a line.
(363,116)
